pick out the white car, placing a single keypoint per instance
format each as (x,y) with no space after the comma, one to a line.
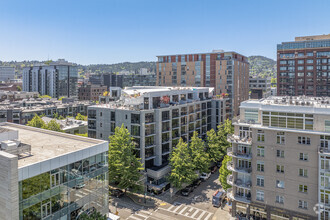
(205,176)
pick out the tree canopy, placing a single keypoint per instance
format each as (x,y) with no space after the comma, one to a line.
(200,158)
(81,117)
(54,126)
(124,166)
(37,122)
(182,167)
(224,172)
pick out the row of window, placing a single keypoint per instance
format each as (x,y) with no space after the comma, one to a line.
(279,199)
(280,169)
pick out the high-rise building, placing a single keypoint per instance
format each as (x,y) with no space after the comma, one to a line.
(157,117)
(281,159)
(7,73)
(128,80)
(56,79)
(303,66)
(51,175)
(226,72)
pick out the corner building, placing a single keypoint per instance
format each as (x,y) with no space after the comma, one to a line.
(51,175)
(281,159)
(303,66)
(226,72)
(157,117)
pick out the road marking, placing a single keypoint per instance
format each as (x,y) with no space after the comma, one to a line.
(169,208)
(200,216)
(195,213)
(145,212)
(143,216)
(182,210)
(135,218)
(177,208)
(208,216)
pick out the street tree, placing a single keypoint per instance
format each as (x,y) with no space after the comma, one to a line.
(200,158)
(223,131)
(214,148)
(224,172)
(182,167)
(37,122)
(124,166)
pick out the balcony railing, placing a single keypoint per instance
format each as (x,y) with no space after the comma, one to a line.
(231,167)
(238,197)
(242,155)
(324,150)
(230,179)
(238,140)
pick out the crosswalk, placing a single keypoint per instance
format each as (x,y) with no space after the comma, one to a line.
(189,211)
(141,215)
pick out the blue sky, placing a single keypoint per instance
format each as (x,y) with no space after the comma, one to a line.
(112,31)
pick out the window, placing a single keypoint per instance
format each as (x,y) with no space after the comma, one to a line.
(280,184)
(280,168)
(303,188)
(101,114)
(280,137)
(300,68)
(327,125)
(261,135)
(300,61)
(280,153)
(260,181)
(304,140)
(303,156)
(302,204)
(260,195)
(303,172)
(309,61)
(279,199)
(101,124)
(251,115)
(260,151)
(260,166)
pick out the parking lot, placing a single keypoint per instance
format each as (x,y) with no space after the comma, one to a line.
(196,206)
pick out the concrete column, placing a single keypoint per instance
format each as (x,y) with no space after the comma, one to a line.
(233,211)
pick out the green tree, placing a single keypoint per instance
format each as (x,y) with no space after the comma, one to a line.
(224,172)
(82,135)
(54,126)
(223,131)
(37,122)
(124,166)
(19,88)
(200,158)
(214,148)
(60,99)
(81,117)
(45,97)
(93,216)
(182,167)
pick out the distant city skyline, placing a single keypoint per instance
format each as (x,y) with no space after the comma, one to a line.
(108,32)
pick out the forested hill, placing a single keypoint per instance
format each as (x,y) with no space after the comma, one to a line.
(262,66)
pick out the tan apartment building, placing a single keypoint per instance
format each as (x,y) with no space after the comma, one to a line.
(281,159)
(227,72)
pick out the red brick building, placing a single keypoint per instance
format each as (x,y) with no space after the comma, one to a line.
(91,92)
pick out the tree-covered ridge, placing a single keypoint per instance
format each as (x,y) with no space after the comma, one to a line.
(262,66)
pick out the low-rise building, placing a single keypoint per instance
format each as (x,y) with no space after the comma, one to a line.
(70,125)
(51,175)
(14,96)
(91,92)
(157,117)
(281,158)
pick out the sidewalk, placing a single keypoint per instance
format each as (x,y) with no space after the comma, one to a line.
(222,214)
(141,200)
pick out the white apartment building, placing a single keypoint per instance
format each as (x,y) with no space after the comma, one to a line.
(7,73)
(157,117)
(281,159)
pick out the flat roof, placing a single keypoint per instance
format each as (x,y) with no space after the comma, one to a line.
(46,144)
(212,52)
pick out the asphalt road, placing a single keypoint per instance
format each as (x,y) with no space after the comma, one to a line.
(196,206)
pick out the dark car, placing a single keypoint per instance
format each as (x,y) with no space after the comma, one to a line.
(117,193)
(196,183)
(186,191)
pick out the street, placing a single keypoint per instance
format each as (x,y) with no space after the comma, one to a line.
(196,206)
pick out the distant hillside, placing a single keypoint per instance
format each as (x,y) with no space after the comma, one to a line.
(262,66)
(111,68)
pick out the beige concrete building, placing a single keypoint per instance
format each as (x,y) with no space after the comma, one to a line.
(226,72)
(281,159)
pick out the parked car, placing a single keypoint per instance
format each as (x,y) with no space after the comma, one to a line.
(196,183)
(205,176)
(117,193)
(186,191)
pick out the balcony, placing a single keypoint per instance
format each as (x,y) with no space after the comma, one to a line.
(238,197)
(231,167)
(235,139)
(324,150)
(230,180)
(241,155)
(158,172)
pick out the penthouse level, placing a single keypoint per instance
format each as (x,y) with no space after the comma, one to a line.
(51,175)
(157,117)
